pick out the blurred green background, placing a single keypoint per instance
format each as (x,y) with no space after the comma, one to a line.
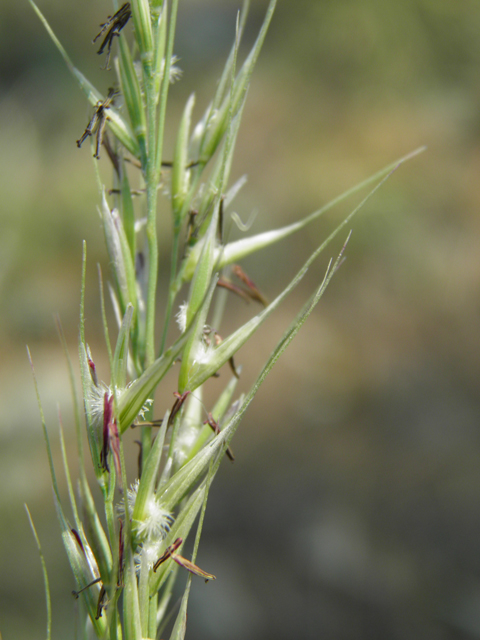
(353,508)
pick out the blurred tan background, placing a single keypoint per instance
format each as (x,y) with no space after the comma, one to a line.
(353,508)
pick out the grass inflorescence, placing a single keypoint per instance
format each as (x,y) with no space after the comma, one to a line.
(127,553)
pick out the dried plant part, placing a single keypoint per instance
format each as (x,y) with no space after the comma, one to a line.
(216,429)
(252,290)
(193,568)
(113,26)
(98,122)
(101,604)
(183,562)
(168,553)
(76,594)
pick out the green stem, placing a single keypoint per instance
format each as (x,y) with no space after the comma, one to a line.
(165,85)
(151,229)
(172,290)
(146,439)
(110,518)
(175,285)
(143,597)
(115,627)
(160,135)
(152,631)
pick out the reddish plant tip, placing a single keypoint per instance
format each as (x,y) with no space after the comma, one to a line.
(93,371)
(177,405)
(111,439)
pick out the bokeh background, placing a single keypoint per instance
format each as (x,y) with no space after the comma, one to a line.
(353,508)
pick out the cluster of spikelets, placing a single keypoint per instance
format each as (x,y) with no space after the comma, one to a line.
(125,563)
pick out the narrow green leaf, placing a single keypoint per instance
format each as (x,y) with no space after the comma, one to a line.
(149,473)
(133,99)
(227,433)
(120,358)
(195,349)
(131,608)
(221,119)
(180,626)
(144,601)
(224,400)
(82,570)
(234,101)
(226,349)
(133,399)
(180,173)
(189,427)
(128,212)
(231,61)
(205,267)
(120,255)
(217,184)
(45,575)
(160,21)
(71,493)
(76,406)
(218,412)
(95,532)
(98,539)
(221,171)
(165,83)
(143,29)
(82,294)
(153,617)
(44,428)
(163,615)
(243,80)
(106,332)
(220,354)
(181,483)
(103,560)
(235,251)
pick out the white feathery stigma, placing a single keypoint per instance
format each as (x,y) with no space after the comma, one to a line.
(96,402)
(203,353)
(147,553)
(175,71)
(157,521)
(131,497)
(181,317)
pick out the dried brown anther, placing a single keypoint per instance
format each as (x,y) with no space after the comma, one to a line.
(183,562)
(180,399)
(216,428)
(101,602)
